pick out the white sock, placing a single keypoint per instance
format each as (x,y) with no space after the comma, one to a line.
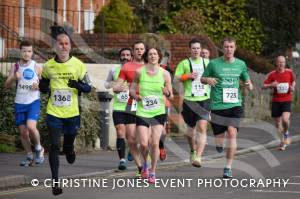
(30,155)
(38,147)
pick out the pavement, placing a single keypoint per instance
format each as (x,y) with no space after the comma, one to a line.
(253,136)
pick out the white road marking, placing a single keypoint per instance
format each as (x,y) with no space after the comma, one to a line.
(272,191)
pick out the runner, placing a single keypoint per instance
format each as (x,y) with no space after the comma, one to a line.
(153,82)
(120,102)
(27,102)
(224,74)
(127,74)
(195,110)
(282,81)
(67,77)
(205,53)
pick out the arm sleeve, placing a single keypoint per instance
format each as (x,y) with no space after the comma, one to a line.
(268,79)
(180,69)
(44,85)
(245,75)
(84,85)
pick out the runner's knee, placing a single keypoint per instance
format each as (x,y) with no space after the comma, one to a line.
(231,132)
(32,128)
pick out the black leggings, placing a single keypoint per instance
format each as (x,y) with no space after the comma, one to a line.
(54,146)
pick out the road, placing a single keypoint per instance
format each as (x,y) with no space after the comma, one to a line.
(273,174)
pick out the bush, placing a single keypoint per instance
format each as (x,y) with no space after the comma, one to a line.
(7,121)
(4,148)
(90,120)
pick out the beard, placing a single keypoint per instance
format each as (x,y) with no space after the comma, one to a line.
(124,60)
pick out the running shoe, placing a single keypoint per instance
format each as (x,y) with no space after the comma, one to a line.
(220,149)
(39,156)
(151,178)
(145,172)
(193,156)
(27,162)
(122,165)
(227,173)
(197,162)
(129,156)
(138,172)
(162,154)
(56,190)
(282,146)
(70,156)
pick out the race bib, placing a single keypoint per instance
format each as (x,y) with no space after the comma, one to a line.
(133,105)
(282,88)
(62,98)
(123,96)
(24,88)
(230,95)
(151,102)
(198,88)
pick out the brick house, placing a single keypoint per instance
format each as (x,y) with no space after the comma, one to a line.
(33,18)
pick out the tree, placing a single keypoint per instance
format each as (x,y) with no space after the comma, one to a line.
(216,18)
(229,18)
(169,16)
(151,12)
(280,23)
(118,18)
(189,21)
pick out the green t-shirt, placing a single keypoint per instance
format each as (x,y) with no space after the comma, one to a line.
(63,101)
(226,93)
(193,90)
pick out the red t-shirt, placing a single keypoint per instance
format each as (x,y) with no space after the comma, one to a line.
(285,79)
(127,73)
